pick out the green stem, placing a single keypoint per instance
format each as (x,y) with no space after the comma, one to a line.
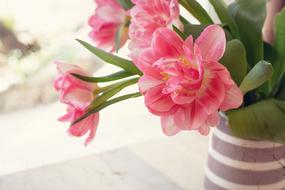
(125,64)
(115,76)
(111,91)
(106,104)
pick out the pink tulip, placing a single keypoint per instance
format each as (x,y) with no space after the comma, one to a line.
(81,128)
(183,81)
(78,95)
(108,19)
(146,17)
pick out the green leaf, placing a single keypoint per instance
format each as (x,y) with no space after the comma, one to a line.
(184,20)
(268,51)
(125,64)
(108,78)
(264,120)
(221,10)
(235,60)
(258,75)
(281,91)
(193,7)
(249,17)
(181,34)
(194,29)
(279,48)
(126,4)
(115,89)
(106,104)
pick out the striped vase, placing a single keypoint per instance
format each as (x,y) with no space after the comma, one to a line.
(239,164)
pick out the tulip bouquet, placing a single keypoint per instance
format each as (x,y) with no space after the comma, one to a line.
(187,73)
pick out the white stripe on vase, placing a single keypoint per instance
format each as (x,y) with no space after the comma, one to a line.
(244,143)
(234,186)
(254,166)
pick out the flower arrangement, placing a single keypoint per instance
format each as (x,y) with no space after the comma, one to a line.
(187,73)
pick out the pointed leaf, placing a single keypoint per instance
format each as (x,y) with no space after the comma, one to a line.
(235,60)
(181,34)
(106,104)
(281,91)
(249,17)
(115,89)
(108,78)
(193,7)
(222,12)
(262,121)
(125,64)
(194,29)
(126,4)
(258,75)
(184,20)
(279,48)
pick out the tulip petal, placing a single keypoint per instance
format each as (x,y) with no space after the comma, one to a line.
(95,121)
(213,96)
(213,119)
(168,125)
(233,98)
(77,97)
(167,43)
(198,115)
(182,119)
(204,130)
(212,43)
(147,82)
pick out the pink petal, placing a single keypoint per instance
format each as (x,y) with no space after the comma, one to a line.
(204,130)
(213,96)
(182,99)
(212,43)
(213,119)
(77,97)
(92,130)
(162,106)
(233,98)
(182,119)
(110,14)
(147,82)
(88,124)
(189,42)
(145,63)
(68,117)
(221,72)
(168,126)
(198,115)
(167,43)
(158,103)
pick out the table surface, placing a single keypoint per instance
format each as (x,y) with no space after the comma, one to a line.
(129,152)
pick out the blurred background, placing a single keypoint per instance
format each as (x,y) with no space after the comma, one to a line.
(129,151)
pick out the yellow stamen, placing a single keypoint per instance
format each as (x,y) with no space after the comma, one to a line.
(187,62)
(165,75)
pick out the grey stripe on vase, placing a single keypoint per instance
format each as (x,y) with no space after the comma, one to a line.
(239,164)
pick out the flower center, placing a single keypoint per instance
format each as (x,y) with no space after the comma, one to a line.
(183,76)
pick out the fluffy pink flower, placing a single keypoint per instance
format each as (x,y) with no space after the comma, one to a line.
(183,81)
(107,20)
(146,17)
(77,94)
